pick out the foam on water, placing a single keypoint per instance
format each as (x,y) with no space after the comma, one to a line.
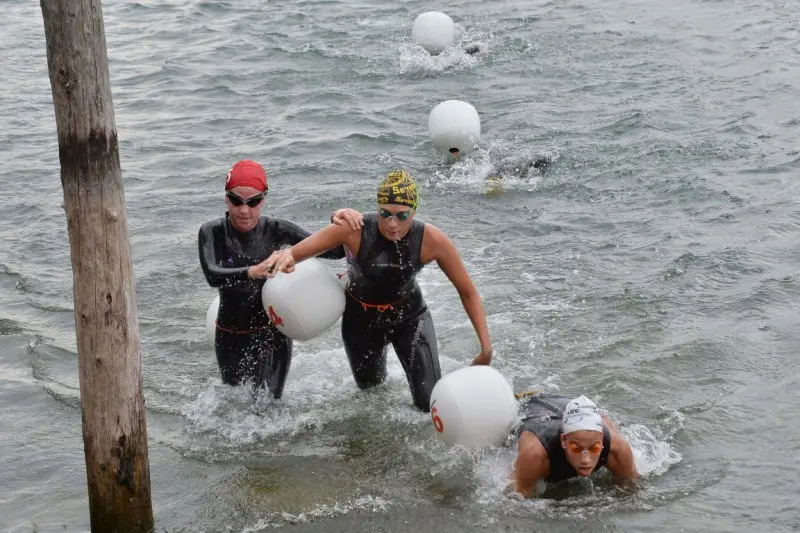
(415,61)
(373,504)
(495,166)
(320,391)
(651,264)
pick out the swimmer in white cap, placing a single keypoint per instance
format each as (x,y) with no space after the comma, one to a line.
(560,438)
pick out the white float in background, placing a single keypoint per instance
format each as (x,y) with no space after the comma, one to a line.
(434,31)
(454,125)
(211,321)
(473,407)
(304,303)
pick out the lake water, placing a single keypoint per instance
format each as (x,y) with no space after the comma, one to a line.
(653,267)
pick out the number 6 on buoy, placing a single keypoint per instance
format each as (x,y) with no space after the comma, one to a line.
(473,407)
(437,422)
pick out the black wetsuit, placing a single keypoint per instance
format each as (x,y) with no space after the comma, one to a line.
(541,415)
(248,346)
(385,305)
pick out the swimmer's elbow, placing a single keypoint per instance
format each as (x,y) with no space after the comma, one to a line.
(623,466)
(225,278)
(212,277)
(468,293)
(523,478)
(334,253)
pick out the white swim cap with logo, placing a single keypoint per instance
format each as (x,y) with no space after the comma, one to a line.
(581,414)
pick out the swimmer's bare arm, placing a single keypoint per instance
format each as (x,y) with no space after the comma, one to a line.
(290,233)
(531,465)
(436,246)
(620,459)
(329,237)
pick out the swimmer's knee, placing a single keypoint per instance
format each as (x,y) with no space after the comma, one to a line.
(421,396)
(369,383)
(230,376)
(423,406)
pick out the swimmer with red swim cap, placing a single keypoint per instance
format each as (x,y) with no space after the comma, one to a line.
(248,346)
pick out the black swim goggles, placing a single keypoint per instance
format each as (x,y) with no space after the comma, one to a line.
(403,216)
(251,202)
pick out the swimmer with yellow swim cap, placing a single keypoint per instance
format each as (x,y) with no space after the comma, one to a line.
(384,302)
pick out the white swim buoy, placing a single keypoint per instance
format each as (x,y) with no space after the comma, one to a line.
(211,321)
(473,407)
(434,31)
(304,303)
(454,126)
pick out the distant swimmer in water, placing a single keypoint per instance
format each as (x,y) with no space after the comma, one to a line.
(518,167)
(474,48)
(515,166)
(509,167)
(562,438)
(248,347)
(384,302)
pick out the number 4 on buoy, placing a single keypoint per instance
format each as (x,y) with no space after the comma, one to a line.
(273,317)
(305,303)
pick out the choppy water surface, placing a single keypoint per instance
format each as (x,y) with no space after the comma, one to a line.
(653,267)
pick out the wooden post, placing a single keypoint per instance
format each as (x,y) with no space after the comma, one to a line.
(114,429)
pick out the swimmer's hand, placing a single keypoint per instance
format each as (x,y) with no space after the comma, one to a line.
(279,261)
(483,358)
(510,491)
(259,271)
(348,216)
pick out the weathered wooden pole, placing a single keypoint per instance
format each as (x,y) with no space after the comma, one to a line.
(112,404)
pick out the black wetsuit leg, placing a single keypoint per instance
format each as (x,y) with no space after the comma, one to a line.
(262,358)
(415,345)
(366,347)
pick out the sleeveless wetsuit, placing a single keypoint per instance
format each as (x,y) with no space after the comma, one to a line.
(248,346)
(385,305)
(541,415)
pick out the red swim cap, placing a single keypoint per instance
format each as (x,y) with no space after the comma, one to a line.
(246,173)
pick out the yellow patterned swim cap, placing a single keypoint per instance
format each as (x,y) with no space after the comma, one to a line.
(398,188)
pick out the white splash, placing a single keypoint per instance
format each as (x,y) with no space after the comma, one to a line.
(368,503)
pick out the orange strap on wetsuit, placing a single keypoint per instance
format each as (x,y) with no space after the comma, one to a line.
(381,308)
